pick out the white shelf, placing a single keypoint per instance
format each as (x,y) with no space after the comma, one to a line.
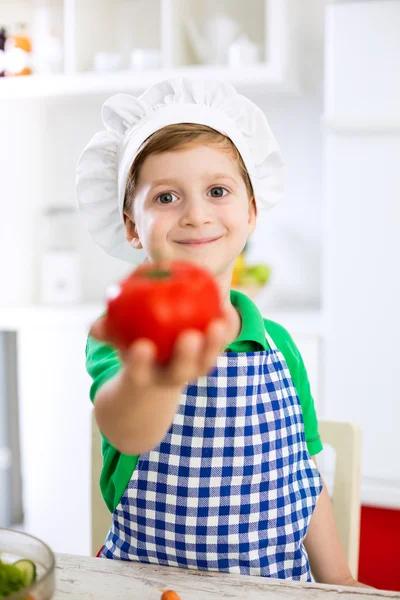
(41,86)
(122,25)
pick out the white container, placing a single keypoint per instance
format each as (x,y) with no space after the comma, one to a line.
(243,52)
(60,261)
(107,62)
(145,58)
(212,46)
(60,277)
(47,46)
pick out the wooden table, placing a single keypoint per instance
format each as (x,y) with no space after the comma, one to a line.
(86,578)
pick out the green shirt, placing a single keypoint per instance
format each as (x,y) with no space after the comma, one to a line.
(103,363)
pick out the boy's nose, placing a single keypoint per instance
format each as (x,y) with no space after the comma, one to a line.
(196,213)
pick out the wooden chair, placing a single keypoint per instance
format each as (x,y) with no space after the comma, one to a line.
(345,439)
(101,517)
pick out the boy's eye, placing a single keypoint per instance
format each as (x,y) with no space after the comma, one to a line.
(166,198)
(218,192)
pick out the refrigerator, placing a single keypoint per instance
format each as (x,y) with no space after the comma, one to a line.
(361,292)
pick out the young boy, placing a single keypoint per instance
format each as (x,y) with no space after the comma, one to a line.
(207,461)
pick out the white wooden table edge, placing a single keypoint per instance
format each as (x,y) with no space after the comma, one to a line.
(88,577)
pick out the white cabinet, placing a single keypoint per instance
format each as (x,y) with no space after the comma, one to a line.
(55,421)
(163,25)
(89,28)
(55,436)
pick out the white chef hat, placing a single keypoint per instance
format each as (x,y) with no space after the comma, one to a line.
(104,165)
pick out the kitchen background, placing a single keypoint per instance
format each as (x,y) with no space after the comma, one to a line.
(326,74)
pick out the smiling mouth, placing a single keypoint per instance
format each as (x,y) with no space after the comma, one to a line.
(202,242)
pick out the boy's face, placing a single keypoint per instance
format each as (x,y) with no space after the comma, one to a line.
(192,204)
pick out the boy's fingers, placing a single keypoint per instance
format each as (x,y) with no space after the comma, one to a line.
(140,362)
(184,364)
(99,330)
(194,355)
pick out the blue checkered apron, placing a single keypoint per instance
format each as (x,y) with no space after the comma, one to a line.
(231,487)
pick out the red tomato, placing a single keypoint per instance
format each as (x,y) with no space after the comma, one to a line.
(160,300)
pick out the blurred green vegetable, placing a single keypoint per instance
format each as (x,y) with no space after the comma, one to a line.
(11,579)
(14,577)
(254,275)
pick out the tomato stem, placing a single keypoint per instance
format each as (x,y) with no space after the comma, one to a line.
(157,274)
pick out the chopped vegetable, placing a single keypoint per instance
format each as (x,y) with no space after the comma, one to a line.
(170,595)
(15,577)
(28,568)
(11,580)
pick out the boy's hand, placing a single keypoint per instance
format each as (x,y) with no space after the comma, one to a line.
(194,355)
(135,409)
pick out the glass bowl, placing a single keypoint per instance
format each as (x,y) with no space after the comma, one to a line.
(15,545)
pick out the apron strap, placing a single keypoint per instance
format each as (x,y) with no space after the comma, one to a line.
(270,341)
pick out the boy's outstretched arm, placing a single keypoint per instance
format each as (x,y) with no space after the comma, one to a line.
(135,409)
(327,559)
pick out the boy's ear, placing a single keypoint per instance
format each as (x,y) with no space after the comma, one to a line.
(131,233)
(252,215)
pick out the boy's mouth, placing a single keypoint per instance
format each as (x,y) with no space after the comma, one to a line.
(198,242)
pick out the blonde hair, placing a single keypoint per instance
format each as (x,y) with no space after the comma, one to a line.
(173,137)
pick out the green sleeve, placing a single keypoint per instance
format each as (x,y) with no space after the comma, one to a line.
(297,369)
(103,363)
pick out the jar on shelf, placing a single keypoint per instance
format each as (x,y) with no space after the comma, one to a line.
(48,51)
(18,52)
(60,262)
